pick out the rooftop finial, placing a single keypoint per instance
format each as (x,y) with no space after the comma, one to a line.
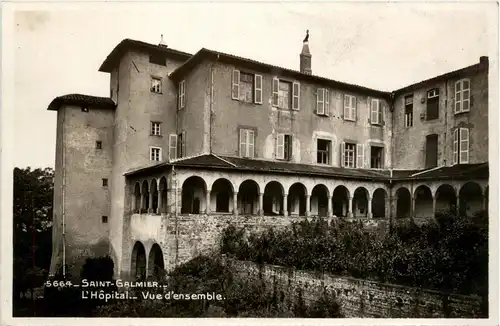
(162,42)
(306,39)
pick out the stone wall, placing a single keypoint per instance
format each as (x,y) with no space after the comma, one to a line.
(357,297)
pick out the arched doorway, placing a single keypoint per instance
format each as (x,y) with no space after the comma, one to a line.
(403,203)
(222,196)
(423,202)
(156,266)
(193,195)
(360,202)
(248,197)
(378,203)
(296,200)
(319,200)
(273,198)
(446,199)
(138,262)
(340,201)
(471,199)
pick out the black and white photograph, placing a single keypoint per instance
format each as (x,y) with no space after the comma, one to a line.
(301,163)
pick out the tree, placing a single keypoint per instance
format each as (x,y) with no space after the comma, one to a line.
(33,196)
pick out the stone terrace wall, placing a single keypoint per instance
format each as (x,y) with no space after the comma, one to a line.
(360,298)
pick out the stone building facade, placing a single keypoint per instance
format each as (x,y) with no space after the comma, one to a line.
(187,143)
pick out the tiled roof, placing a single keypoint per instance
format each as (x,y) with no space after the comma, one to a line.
(261,66)
(127,44)
(80,99)
(209,161)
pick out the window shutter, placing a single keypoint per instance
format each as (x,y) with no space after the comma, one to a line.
(465,96)
(250,142)
(258,89)
(296,96)
(458,98)
(347,112)
(353,108)
(464,146)
(235,92)
(360,155)
(381,113)
(320,101)
(280,146)
(183,144)
(455,146)
(374,111)
(276,85)
(327,102)
(172,147)
(243,143)
(342,154)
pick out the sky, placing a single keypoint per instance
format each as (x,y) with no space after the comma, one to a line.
(57,49)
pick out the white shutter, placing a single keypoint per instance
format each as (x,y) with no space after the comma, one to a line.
(250,143)
(276,85)
(172,146)
(327,102)
(342,154)
(258,89)
(353,107)
(235,89)
(296,96)
(183,144)
(464,146)
(320,101)
(243,143)
(280,146)
(360,155)
(458,97)
(374,111)
(182,97)
(347,112)
(455,146)
(465,96)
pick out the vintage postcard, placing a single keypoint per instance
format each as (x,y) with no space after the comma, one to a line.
(218,162)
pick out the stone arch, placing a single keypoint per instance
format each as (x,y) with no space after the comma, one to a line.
(340,201)
(360,202)
(221,197)
(446,198)
(379,199)
(471,199)
(138,262)
(423,202)
(145,196)
(319,200)
(156,266)
(163,194)
(297,197)
(248,197)
(403,203)
(194,191)
(154,192)
(273,198)
(137,198)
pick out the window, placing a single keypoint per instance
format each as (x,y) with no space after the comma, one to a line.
(172,147)
(155,128)
(85,109)
(155,154)
(246,87)
(431,151)
(104,182)
(323,151)
(182,94)
(282,97)
(98,144)
(104,219)
(461,146)
(349,107)
(408,111)
(376,112)
(376,157)
(157,59)
(352,155)
(247,143)
(462,96)
(432,104)
(322,101)
(284,147)
(156,85)
(181,144)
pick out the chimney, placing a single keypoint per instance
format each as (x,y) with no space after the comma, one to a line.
(483,60)
(305,56)
(162,42)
